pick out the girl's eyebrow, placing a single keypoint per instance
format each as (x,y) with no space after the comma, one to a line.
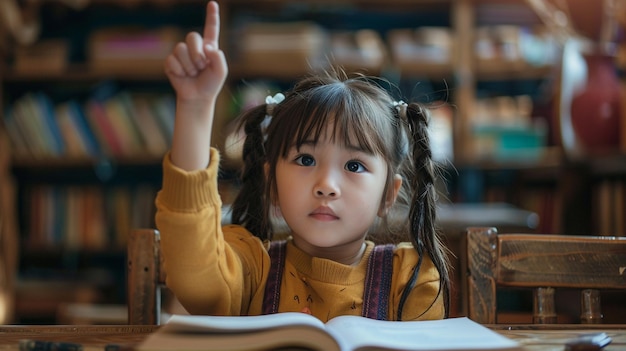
(357,148)
(348,146)
(297,146)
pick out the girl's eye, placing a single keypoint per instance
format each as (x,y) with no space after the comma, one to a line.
(305,160)
(354,166)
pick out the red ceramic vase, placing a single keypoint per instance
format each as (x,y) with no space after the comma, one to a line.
(596,109)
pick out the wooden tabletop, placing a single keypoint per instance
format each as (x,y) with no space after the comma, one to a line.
(553,337)
(93,337)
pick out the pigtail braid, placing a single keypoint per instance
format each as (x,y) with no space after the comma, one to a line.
(249,208)
(422,214)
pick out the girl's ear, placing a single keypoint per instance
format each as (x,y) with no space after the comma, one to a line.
(392,195)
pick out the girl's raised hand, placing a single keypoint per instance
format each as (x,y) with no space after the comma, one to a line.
(197,67)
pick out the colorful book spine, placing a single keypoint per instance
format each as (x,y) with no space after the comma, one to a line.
(103,129)
(74,145)
(149,133)
(85,133)
(44,109)
(19,143)
(123,121)
(32,129)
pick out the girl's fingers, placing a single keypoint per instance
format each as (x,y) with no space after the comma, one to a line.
(172,66)
(181,52)
(216,61)
(196,53)
(212,25)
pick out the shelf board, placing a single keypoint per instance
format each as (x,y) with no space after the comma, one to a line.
(613,164)
(80,162)
(53,252)
(84,72)
(502,70)
(550,158)
(134,72)
(608,164)
(421,68)
(87,171)
(359,3)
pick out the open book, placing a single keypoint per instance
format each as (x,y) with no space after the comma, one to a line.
(293,330)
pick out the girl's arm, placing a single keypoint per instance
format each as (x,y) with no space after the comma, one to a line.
(196,69)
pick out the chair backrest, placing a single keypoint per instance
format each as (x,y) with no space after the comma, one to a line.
(145,277)
(9,236)
(543,263)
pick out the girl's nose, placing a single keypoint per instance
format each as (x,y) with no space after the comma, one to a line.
(321,193)
(326,186)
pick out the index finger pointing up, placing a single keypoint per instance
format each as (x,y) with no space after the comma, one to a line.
(212,24)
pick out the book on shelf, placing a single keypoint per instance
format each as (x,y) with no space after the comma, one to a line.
(294,330)
(110,122)
(20,145)
(86,217)
(26,126)
(74,145)
(130,48)
(43,107)
(103,128)
(609,203)
(123,125)
(163,108)
(78,136)
(119,207)
(31,119)
(153,136)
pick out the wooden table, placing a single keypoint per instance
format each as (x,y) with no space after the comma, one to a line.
(533,337)
(92,337)
(553,337)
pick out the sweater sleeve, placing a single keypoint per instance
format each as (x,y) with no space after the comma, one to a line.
(210,269)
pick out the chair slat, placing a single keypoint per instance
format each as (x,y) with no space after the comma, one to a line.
(561,261)
(541,262)
(144,277)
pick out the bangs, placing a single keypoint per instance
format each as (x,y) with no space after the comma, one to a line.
(356,118)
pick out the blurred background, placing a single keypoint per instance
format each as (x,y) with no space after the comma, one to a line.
(527,119)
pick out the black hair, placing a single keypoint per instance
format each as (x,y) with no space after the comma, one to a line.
(364,113)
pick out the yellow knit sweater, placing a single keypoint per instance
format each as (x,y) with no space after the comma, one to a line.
(222,270)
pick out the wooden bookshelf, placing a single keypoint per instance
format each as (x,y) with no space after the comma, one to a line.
(549,184)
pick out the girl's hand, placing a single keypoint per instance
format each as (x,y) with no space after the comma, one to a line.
(197,67)
(197,70)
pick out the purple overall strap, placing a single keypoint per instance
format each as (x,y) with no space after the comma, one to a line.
(378,282)
(272,286)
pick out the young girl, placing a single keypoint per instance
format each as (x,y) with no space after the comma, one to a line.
(335,155)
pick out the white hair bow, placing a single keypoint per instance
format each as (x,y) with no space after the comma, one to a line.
(276,99)
(401,107)
(272,101)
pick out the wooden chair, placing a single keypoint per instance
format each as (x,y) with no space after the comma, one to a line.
(543,263)
(9,237)
(145,277)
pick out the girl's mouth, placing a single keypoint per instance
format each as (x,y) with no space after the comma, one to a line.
(324,213)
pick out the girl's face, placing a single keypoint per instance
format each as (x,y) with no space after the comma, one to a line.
(329,195)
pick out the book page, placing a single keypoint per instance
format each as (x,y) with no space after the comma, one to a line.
(237,324)
(292,330)
(279,338)
(299,330)
(453,334)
